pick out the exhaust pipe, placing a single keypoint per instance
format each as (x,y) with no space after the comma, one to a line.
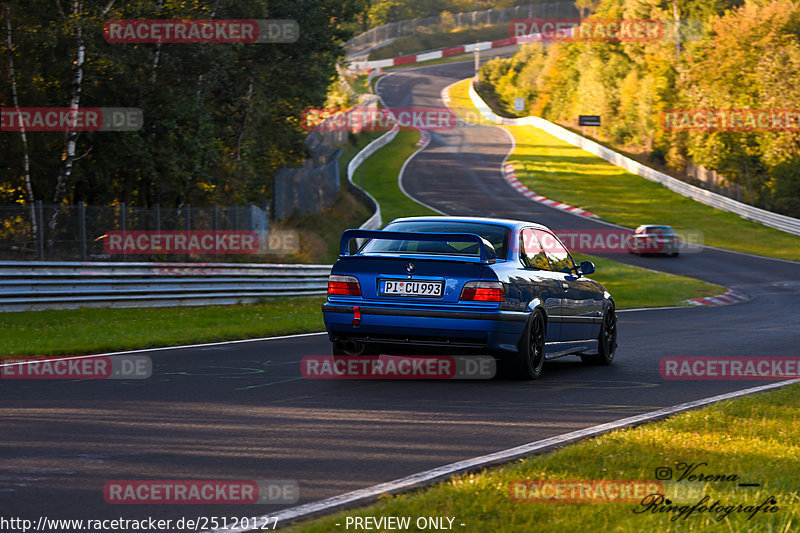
(351,347)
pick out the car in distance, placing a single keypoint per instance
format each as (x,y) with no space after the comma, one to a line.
(654,239)
(468,285)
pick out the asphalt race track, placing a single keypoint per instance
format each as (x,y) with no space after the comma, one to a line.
(242,410)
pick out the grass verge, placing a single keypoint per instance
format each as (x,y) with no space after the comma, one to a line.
(84,331)
(754,438)
(632,287)
(568,174)
(635,288)
(100,330)
(378,175)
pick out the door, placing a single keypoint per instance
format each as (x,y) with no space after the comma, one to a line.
(579,305)
(541,281)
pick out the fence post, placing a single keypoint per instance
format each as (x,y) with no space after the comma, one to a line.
(123,224)
(82,217)
(40,224)
(188,227)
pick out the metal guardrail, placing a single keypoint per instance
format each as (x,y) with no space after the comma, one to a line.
(375,221)
(38,285)
(470,19)
(768,218)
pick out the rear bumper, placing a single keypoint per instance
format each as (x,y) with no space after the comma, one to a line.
(663,247)
(434,328)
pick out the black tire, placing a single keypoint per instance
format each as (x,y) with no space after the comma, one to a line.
(674,254)
(529,359)
(606,341)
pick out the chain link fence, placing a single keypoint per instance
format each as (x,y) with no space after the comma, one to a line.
(472,19)
(27,232)
(315,186)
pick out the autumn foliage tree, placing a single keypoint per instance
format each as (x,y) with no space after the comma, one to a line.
(730,54)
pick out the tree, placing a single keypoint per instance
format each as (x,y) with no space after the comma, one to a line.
(219,119)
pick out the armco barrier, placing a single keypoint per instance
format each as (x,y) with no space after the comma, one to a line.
(37,285)
(427,56)
(768,218)
(375,221)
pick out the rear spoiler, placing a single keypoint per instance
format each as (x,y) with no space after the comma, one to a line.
(487,255)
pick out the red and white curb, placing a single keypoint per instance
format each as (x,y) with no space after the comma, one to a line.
(438,54)
(511,178)
(729,298)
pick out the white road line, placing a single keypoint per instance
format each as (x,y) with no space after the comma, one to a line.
(405,163)
(429,477)
(162,348)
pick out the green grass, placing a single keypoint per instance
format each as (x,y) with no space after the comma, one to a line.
(98,330)
(568,174)
(632,287)
(378,175)
(360,85)
(421,42)
(755,438)
(84,331)
(635,288)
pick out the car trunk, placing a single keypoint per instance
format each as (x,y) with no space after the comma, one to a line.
(381,274)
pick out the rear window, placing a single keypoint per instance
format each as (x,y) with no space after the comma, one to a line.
(496,235)
(660,230)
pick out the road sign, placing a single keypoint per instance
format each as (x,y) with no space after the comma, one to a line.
(588,120)
(519,104)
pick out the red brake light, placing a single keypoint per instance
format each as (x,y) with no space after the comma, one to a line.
(344,286)
(483,291)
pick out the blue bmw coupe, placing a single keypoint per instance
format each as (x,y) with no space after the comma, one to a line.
(506,288)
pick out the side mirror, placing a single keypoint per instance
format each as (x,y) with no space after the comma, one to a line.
(587,267)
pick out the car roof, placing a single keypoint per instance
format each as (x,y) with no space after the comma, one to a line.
(655,226)
(509,223)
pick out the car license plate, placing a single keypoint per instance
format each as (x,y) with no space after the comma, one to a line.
(430,289)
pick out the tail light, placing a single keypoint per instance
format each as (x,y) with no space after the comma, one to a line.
(344,286)
(484,291)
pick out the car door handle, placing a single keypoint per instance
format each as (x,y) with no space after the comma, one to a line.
(565,286)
